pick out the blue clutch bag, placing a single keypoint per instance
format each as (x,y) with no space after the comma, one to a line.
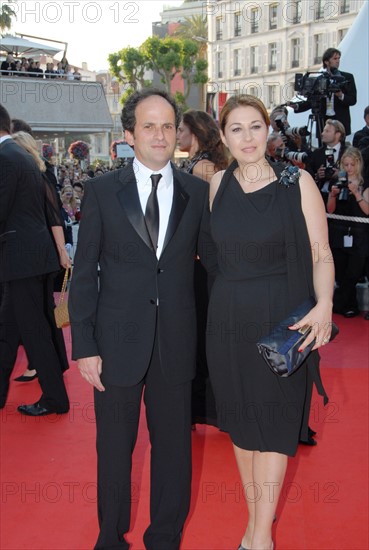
(280,348)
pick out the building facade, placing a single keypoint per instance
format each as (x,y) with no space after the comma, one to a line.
(258,47)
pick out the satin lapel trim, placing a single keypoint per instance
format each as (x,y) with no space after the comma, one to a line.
(180,200)
(130,202)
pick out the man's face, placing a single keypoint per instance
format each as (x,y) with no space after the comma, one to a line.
(154,136)
(333,62)
(274,145)
(330,136)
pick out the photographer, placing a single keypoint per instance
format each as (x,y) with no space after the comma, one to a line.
(278,152)
(361,137)
(323,162)
(333,104)
(293,138)
(348,208)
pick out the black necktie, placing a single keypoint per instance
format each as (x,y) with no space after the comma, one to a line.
(152,211)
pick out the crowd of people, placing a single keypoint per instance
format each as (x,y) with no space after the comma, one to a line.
(178,273)
(28,67)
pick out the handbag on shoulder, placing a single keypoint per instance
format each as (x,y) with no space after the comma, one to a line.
(280,349)
(61,310)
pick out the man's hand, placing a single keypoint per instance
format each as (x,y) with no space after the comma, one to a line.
(321,172)
(91,368)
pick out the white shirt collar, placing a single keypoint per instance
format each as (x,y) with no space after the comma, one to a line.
(143,174)
(3,138)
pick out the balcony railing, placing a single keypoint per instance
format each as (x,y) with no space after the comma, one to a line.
(219,35)
(237,31)
(254,28)
(317,59)
(272,66)
(237,72)
(295,63)
(254,70)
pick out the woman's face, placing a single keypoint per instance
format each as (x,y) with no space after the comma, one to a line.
(349,164)
(245,135)
(67,193)
(185,137)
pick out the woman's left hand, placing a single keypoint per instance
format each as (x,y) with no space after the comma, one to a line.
(320,320)
(64,259)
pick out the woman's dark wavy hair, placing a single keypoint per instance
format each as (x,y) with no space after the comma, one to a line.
(128,116)
(207,133)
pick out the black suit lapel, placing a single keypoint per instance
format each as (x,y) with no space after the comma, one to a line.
(130,202)
(180,200)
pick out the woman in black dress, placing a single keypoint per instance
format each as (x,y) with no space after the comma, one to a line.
(265,233)
(199,136)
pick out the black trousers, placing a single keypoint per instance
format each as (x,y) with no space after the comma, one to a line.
(23,318)
(56,333)
(349,266)
(168,413)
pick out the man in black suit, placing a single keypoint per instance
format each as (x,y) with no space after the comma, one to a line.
(27,255)
(337,105)
(134,327)
(323,163)
(359,136)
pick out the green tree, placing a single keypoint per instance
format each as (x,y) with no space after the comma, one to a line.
(195,28)
(6,15)
(129,65)
(170,56)
(167,56)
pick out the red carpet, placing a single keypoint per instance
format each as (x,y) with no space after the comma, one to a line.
(48,491)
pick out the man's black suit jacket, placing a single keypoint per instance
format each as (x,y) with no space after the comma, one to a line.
(136,295)
(26,245)
(360,134)
(341,106)
(318,158)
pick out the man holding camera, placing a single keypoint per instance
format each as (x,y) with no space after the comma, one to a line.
(334,104)
(323,163)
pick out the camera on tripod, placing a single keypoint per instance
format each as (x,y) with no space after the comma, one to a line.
(320,84)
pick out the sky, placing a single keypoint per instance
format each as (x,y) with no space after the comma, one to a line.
(92,29)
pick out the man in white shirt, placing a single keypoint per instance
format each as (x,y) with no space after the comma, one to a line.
(134,327)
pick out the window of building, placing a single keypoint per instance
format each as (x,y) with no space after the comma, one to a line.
(319,9)
(295,49)
(341,33)
(98,144)
(318,48)
(220,64)
(255,16)
(218,28)
(272,56)
(252,90)
(273,16)
(296,12)
(272,96)
(345,6)
(237,62)
(254,59)
(237,24)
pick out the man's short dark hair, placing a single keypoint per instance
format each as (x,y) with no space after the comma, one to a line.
(19,125)
(366,111)
(4,120)
(78,184)
(328,54)
(128,117)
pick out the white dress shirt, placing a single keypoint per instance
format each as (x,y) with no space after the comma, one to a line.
(164,194)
